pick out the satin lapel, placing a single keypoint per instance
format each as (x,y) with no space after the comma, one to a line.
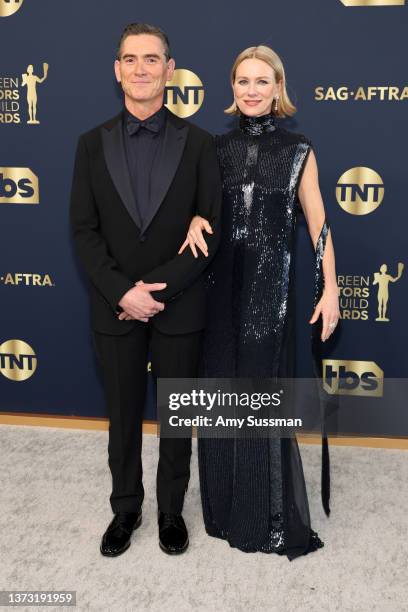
(172,148)
(115,157)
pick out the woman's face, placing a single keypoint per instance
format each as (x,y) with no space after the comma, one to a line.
(255,87)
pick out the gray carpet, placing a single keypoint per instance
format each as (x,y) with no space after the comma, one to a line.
(55,486)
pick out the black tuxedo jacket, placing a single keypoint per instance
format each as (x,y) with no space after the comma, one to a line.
(117,250)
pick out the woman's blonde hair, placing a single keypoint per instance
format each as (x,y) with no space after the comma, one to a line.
(266,54)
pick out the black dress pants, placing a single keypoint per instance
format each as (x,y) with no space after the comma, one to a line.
(124,366)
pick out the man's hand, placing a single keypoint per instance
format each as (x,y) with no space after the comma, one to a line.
(138,304)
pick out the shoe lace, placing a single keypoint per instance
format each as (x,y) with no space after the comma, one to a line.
(170,520)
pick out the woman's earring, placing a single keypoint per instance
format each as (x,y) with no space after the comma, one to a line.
(276,103)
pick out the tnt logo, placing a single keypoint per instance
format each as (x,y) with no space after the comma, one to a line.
(18,361)
(184,94)
(352,378)
(373,2)
(18,186)
(8,7)
(360,190)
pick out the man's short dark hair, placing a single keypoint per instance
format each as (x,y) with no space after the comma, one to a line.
(144,28)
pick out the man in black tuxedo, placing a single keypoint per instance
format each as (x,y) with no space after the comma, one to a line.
(138,180)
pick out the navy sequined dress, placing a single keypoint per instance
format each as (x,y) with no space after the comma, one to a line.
(253,490)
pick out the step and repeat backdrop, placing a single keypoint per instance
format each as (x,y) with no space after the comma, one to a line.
(345,62)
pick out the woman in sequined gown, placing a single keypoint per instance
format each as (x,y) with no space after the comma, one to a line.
(253,490)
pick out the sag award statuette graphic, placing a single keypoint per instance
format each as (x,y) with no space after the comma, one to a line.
(30,81)
(9,7)
(382,279)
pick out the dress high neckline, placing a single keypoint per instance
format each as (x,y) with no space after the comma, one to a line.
(255,126)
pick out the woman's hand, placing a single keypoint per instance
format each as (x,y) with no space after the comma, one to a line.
(195,236)
(328,307)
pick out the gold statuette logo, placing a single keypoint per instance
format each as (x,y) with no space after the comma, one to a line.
(18,186)
(19,95)
(18,361)
(360,190)
(344,377)
(373,2)
(383,279)
(184,94)
(357,294)
(9,7)
(30,81)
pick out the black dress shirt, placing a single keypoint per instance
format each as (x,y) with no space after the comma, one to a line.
(143,139)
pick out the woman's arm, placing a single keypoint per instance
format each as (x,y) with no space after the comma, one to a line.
(195,236)
(312,204)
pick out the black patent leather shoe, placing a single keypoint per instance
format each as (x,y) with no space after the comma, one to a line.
(116,538)
(173,535)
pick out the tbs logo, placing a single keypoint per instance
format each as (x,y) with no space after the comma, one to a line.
(352,378)
(18,186)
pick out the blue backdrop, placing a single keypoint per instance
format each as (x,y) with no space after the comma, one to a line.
(333,54)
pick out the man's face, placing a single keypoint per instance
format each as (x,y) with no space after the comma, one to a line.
(143,69)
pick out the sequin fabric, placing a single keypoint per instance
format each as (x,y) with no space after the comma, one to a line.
(251,274)
(253,491)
